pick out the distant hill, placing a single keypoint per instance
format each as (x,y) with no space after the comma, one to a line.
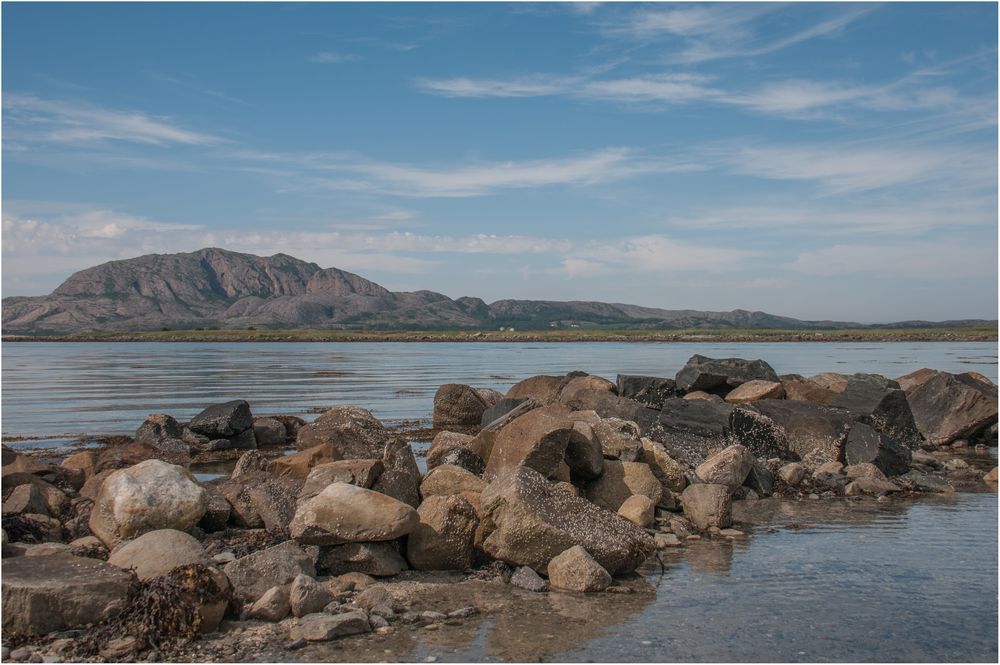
(218,288)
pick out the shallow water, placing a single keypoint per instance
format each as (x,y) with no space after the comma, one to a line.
(61,390)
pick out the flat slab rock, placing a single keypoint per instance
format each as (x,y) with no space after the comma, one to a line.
(321,627)
(60,591)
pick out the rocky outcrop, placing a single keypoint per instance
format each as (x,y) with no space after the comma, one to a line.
(947,407)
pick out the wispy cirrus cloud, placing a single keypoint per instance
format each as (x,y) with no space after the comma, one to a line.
(35,119)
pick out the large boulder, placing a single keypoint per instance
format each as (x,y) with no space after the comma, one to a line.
(400,477)
(538,440)
(252,575)
(762,436)
(344,513)
(444,538)
(446,479)
(159,427)
(691,430)
(576,570)
(728,467)
(812,433)
(667,470)
(865,445)
(530,521)
(379,559)
(500,409)
(947,407)
(148,496)
(59,592)
(708,505)
(156,553)
(584,455)
(260,500)
(880,403)
(649,391)
(456,404)
(453,448)
(619,439)
(269,432)
(543,389)
(622,480)
(721,374)
(580,384)
(805,389)
(354,432)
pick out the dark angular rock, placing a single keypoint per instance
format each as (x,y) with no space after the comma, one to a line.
(691,430)
(947,407)
(401,477)
(500,409)
(761,435)
(815,434)
(379,559)
(880,403)
(721,374)
(458,404)
(760,479)
(649,391)
(223,421)
(863,444)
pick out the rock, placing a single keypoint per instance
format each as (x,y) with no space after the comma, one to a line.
(363,473)
(455,454)
(831,381)
(647,390)
(90,547)
(832,468)
(728,467)
(800,388)
(792,474)
(249,463)
(272,606)
(667,470)
(869,486)
(814,433)
(444,538)
(269,432)
(344,513)
(537,440)
(526,578)
(307,596)
(500,409)
(354,432)
(27,498)
(358,581)
(380,559)
(948,407)
(864,470)
(702,395)
(292,426)
(448,479)
(148,496)
(530,522)
(254,574)
(217,511)
(638,509)
(575,570)
(223,421)
(691,430)
(157,427)
(301,463)
(584,455)
(401,476)
(760,479)
(865,445)
(922,482)
(880,403)
(707,505)
(579,384)
(83,461)
(156,553)
(58,592)
(622,480)
(991,477)
(543,389)
(458,404)
(124,456)
(261,500)
(666,540)
(709,374)
(756,390)
(325,627)
(375,596)
(761,435)
(619,439)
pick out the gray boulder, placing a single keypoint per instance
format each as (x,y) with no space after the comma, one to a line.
(252,575)
(156,553)
(880,403)
(223,421)
(380,559)
(353,431)
(649,391)
(865,445)
(721,374)
(947,407)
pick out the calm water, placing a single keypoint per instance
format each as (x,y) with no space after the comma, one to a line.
(66,389)
(902,581)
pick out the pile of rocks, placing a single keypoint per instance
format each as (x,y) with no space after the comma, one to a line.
(567,481)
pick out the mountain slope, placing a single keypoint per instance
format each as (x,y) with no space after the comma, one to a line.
(218,288)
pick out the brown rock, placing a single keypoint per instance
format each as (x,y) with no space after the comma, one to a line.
(622,480)
(363,473)
(400,478)
(583,451)
(869,486)
(580,384)
(269,432)
(272,606)
(752,391)
(447,479)
(537,440)
(667,470)
(864,470)
(701,394)
(380,559)
(543,389)
(639,510)
(300,464)
(457,404)
(156,553)
(728,467)
(354,432)
(252,575)
(576,570)
(444,538)
(707,505)
(344,513)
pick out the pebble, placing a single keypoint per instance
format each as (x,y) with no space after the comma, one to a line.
(296,644)
(463,613)
(430,659)
(377,621)
(21,654)
(432,626)
(224,557)
(665,540)
(814,497)
(694,536)
(732,533)
(433,616)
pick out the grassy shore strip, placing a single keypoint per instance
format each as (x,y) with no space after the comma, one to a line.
(576,335)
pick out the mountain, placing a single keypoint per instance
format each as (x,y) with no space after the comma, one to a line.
(218,288)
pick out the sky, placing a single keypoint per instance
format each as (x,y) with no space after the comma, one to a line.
(821,161)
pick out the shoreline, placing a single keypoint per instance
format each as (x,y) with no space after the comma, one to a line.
(636,336)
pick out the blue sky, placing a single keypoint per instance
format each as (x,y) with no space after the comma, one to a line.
(813,160)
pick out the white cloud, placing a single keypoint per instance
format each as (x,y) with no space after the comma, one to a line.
(332,57)
(530,86)
(922,261)
(49,121)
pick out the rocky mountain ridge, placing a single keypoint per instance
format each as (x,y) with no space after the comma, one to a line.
(219,288)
